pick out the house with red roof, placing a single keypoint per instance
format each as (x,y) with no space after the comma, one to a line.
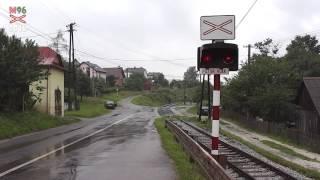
(52,95)
(117,73)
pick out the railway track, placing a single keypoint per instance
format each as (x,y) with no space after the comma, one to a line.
(240,165)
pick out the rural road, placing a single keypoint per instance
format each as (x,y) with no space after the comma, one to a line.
(121,145)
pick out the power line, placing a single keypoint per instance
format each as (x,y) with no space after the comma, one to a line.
(154,58)
(47,34)
(246,14)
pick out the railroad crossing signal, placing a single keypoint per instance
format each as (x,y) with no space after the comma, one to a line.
(218,55)
(217,58)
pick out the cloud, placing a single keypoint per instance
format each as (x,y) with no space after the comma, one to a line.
(166,29)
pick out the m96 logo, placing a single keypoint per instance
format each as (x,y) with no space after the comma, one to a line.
(17,10)
(17,13)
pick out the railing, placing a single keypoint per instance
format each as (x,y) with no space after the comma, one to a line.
(209,165)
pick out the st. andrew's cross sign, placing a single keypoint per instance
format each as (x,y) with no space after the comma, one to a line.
(220,27)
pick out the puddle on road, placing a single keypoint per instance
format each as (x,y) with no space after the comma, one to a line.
(99,145)
(115,114)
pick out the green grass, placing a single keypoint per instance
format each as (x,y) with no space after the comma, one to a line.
(286,150)
(121,95)
(15,124)
(89,107)
(307,172)
(155,98)
(193,110)
(279,138)
(94,106)
(143,100)
(184,169)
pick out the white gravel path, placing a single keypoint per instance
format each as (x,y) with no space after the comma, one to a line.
(256,139)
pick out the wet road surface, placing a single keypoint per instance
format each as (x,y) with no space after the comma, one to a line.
(122,145)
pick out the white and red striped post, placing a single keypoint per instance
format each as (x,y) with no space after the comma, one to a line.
(215,115)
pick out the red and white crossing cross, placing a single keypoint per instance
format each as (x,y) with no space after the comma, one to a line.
(17,18)
(217,27)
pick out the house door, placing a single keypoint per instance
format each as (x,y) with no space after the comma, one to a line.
(58,103)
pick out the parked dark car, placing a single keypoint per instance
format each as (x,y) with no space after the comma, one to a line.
(110,104)
(204,111)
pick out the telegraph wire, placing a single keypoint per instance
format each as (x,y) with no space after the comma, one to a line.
(47,37)
(246,14)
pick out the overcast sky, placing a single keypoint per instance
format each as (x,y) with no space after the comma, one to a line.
(158,29)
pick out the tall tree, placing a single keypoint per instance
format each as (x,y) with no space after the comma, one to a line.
(303,56)
(305,43)
(19,67)
(160,80)
(83,84)
(190,77)
(135,82)
(267,47)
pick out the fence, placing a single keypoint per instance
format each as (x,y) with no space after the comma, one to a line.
(212,169)
(309,140)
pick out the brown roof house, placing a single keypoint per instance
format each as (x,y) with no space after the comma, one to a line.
(52,95)
(117,73)
(308,101)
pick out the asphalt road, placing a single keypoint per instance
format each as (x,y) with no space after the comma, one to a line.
(121,145)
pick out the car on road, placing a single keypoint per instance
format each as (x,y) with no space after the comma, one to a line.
(204,111)
(110,104)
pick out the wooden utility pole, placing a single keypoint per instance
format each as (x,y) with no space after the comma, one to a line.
(184,92)
(249,52)
(202,89)
(209,98)
(73,70)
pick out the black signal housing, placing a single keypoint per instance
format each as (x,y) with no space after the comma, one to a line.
(218,55)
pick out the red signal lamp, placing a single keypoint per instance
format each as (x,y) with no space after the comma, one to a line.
(228,60)
(206,59)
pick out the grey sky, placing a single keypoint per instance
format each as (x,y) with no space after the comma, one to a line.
(160,29)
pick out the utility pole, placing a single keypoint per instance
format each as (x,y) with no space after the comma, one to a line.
(249,62)
(184,92)
(202,89)
(249,53)
(73,71)
(209,98)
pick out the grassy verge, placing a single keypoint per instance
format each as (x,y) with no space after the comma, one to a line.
(286,150)
(89,107)
(121,95)
(15,124)
(143,100)
(307,172)
(94,106)
(193,110)
(185,169)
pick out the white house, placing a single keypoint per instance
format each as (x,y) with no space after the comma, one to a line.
(93,70)
(139,70)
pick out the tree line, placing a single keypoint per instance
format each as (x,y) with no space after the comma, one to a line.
(267,85)
(19,67)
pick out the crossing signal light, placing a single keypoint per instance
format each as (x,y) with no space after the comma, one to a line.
(218,55)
